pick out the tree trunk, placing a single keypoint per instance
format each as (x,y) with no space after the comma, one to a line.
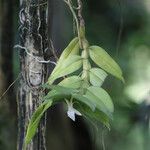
(33,37)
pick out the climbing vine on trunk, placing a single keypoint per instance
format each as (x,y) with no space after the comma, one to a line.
(82,69)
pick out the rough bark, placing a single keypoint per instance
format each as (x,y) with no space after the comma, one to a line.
(33,37)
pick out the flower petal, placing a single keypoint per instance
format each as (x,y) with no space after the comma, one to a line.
(71,114)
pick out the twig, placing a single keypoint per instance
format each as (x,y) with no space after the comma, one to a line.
(1,97)
(80,7)
(42,4)
(53,50)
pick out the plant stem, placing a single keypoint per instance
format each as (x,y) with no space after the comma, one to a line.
(80,25)
(86,66)
(84,46)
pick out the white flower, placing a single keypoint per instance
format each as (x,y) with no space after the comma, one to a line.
(72,111)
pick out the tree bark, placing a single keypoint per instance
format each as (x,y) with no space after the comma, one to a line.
(33,37)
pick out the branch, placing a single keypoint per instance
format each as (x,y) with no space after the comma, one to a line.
(80,7)
(5,92)
(53,49)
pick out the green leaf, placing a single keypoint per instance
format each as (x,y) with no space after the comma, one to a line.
(101,99)
(70,65)
(55,96)
(64,90)
(71,49)
(34,122)
(59,93)
(45,86)
(95,117)
(97,76)
(104,60)
(71,82)
(84,100)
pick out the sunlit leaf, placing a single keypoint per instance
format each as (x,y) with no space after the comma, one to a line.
(59,92)
(71,49)
(64,90)
(70,65)
(101,99)
(71,82)
(104,60)
(97,76)
(85,100)
(55,96)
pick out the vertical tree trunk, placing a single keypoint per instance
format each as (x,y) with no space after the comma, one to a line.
(33,37)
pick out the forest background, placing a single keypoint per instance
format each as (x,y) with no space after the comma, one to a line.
(122,28)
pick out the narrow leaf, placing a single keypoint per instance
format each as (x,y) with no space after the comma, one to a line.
(104,60)
(97,76)
(71,49)
(34,122)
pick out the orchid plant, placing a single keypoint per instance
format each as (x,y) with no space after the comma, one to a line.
(81,70)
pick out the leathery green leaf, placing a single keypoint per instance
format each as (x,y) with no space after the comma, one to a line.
(97,76)
(83,99)
(64,90)
(34,122)
(104,60)
(59,93)
(101,99)
(57,96)
(71,82)
(70,65)
(71,49)
(95,117)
